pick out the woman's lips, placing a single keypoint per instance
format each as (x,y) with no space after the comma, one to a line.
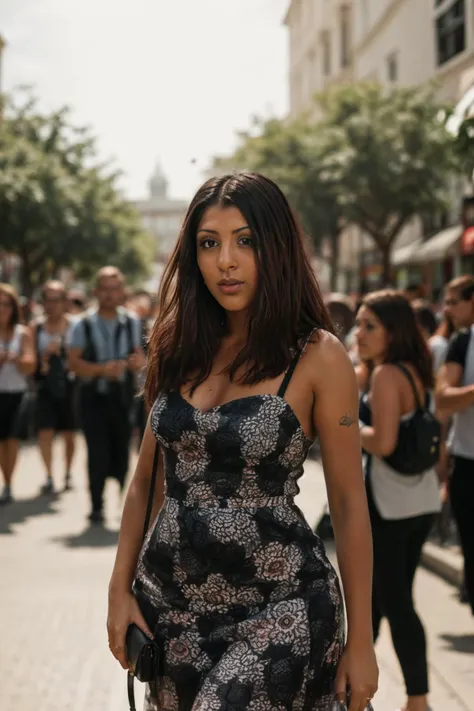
(230,288)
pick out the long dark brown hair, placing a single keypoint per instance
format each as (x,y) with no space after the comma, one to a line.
(9,291)
(191,323)
(405,343)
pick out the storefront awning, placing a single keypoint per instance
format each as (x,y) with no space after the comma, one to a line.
(440,246)
(405,255)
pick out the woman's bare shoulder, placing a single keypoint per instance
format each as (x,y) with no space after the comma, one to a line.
(386,375)
(327,359)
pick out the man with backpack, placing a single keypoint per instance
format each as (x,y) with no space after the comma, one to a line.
(105,352)
(455,396)
(55,386)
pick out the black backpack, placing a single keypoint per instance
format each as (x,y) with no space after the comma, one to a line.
(419,438)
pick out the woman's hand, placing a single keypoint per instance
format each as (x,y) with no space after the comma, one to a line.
(123,611)
(357,673)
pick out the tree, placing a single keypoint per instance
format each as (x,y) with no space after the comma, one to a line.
(372,158)
(291,154)
(59,206)
(391,155)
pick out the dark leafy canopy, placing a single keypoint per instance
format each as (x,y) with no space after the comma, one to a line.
(390,153)
(372,158)
(465,147)
(60,207)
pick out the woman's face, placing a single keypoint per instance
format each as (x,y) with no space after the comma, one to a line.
(226,257)
(6,309)
(371,336)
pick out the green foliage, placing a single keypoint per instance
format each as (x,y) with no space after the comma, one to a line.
(291,154)
(464,143)
(59,206)
(372,158)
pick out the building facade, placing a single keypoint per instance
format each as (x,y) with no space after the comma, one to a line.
(396,43)
(161,215)
(320,48)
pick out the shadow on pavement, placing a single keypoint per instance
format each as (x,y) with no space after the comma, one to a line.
(92,537)
(22,509)
(460,642)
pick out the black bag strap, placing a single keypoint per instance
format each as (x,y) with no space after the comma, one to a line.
(128,326)
(149,507)
(89,343)
(411,380)
(151,494)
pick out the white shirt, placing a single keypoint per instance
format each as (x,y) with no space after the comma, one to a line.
(11,380)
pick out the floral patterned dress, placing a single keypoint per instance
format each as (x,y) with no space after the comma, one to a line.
(238,589)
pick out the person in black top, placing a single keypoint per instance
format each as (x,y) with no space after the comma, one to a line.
(55,386)
(455,396)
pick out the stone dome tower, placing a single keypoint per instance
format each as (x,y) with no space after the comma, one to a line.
(158,183)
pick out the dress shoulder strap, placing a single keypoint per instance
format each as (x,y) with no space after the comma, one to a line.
(291,369)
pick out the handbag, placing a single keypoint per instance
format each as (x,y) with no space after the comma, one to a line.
(143,654)
(419,438)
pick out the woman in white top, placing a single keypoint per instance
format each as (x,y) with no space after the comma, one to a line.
(17,362)
(402,508)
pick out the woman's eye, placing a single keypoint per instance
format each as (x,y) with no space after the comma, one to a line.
(208,243)
(370,327)
(246,241)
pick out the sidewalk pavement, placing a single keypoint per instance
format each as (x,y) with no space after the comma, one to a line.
(53,605)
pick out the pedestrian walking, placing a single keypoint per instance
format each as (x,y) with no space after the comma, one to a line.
(231,582)
(55,410)
(17,362)
(402,505)
(77,302)
(105,352)
(455,396)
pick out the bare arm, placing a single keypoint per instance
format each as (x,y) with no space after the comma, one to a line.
(451,397)
(26,363)
(131,530)
(336,421)
(381,438)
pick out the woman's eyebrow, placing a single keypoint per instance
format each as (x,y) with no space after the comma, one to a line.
(214,232)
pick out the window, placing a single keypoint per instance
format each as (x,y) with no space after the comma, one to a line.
(326,50)
(392,67)
(345,37)
(451,32)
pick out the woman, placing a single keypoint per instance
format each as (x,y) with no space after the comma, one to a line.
(55,386)
(17,362)
(402,508)
(243,371)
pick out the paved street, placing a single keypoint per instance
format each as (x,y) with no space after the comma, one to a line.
(53,590)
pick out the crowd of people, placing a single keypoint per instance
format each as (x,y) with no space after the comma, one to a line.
(80,363)
(74,364)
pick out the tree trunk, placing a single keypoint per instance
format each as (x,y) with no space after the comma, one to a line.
(334,261)
(386,265)
(26,276)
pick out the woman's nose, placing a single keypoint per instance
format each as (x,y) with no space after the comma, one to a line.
(226,258)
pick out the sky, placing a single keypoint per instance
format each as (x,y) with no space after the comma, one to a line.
(155,80)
